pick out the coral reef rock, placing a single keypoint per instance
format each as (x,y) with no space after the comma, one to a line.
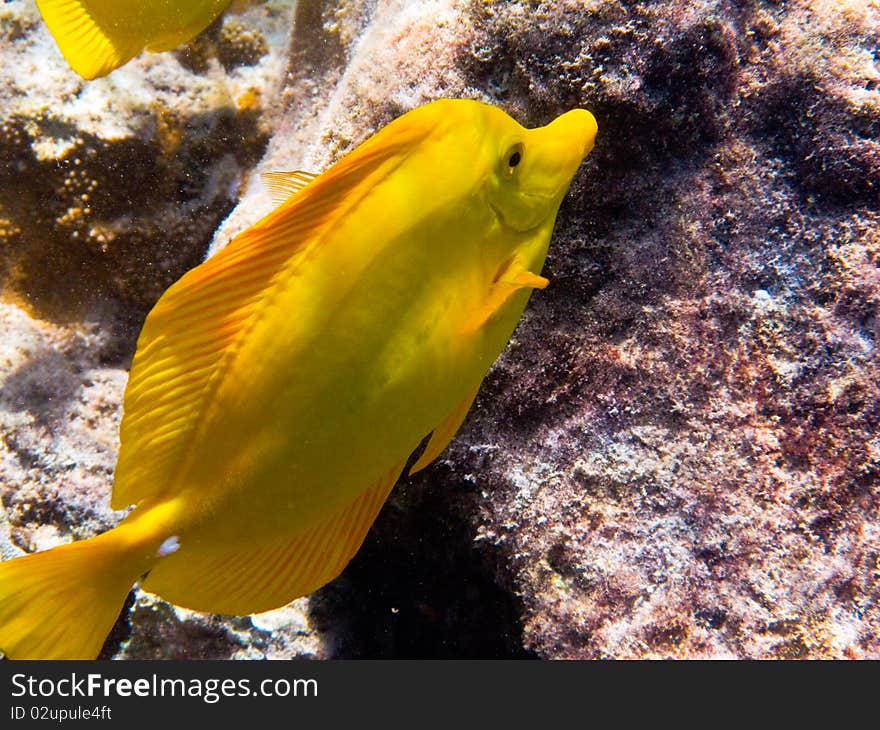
(114,187)
(677,456)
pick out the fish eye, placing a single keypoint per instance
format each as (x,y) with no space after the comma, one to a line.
(514,157)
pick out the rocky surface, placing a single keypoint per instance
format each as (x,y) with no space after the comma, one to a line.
(684,436)
(113,188)
(678,454)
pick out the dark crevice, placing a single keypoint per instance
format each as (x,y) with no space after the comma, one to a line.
(418,588)
(121,630)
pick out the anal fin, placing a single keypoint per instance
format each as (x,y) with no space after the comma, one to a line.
(237,581)
(445,431)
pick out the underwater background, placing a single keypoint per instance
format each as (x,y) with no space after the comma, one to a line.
(677,456)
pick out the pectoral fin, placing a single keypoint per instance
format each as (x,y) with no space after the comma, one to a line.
(445,432)
(513,277)
(522,279)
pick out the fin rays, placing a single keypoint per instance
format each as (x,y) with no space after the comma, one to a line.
(191,335)
(60,604)
(84,44)
(97,37)
(242,581)
(284,184)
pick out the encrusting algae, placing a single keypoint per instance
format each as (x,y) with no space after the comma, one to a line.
(279,388)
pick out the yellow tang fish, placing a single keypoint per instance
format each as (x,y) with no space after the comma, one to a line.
(279,388)
(97,36)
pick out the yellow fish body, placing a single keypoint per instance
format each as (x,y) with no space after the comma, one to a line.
(97,36)
(279,388)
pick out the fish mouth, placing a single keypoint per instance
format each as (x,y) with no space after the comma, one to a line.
(576,130)
(568,139)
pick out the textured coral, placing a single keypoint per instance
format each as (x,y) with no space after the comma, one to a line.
(239,45)
(687,451)
(231,40)
(677,456)
(113,188)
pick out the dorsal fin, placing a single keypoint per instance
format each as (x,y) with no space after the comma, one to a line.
(282,184)
(185,342)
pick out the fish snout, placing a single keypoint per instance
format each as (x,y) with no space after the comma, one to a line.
(574,131)
(545,165)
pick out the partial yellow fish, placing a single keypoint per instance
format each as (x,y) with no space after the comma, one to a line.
(97,36)
(279,388)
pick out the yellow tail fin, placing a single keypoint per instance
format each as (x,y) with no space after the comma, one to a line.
(87,36)
(62,603)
